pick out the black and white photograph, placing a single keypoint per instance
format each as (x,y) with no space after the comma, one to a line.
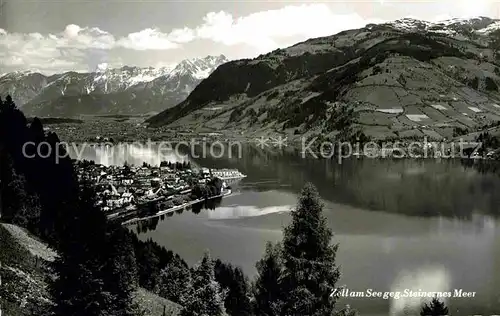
(249,158)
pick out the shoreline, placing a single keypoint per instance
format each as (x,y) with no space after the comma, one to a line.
(173,209)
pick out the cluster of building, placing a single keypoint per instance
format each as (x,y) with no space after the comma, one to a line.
(120,187)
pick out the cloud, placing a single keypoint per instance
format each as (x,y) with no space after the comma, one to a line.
(261,31)
(268,29)
(148,39)
(14,61)
(75,47)
(184,35)
(72,30)
(86,47)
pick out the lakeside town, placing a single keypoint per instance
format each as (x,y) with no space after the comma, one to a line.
(131,193)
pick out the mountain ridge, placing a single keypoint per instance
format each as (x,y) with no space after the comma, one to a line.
(406,78)
(139,89)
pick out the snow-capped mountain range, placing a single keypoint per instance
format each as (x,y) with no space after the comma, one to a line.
(125,90)
(480,25)
(142,90)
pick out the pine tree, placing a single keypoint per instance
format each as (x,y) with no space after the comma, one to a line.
(14,193)
(238,300)
(435,308)
(347,311)
(310,272)
(28,215)
(96,267)
(267,288)
(20,207)
(174,281)
(120,271)
(235,284)
(148,266)
(205,297)
(36,129)
(9,104)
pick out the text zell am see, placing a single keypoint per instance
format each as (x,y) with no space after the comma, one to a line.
(407,293)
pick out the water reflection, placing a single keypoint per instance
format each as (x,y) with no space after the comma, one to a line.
(423,279)
(132,153)
(244,211)
(482,166)
(413,187)
(209,205)
(150,224)
(400,224)
(424,187)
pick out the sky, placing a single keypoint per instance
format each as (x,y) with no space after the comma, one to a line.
(53,36)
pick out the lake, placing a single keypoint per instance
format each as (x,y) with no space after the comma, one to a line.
(427,225)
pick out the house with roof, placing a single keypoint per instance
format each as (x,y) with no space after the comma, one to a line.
(143,172)
(128,197)
(121,190)
(127,181)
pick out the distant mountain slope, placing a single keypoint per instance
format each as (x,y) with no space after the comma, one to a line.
(407,78)
(126,90)
(22,86)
